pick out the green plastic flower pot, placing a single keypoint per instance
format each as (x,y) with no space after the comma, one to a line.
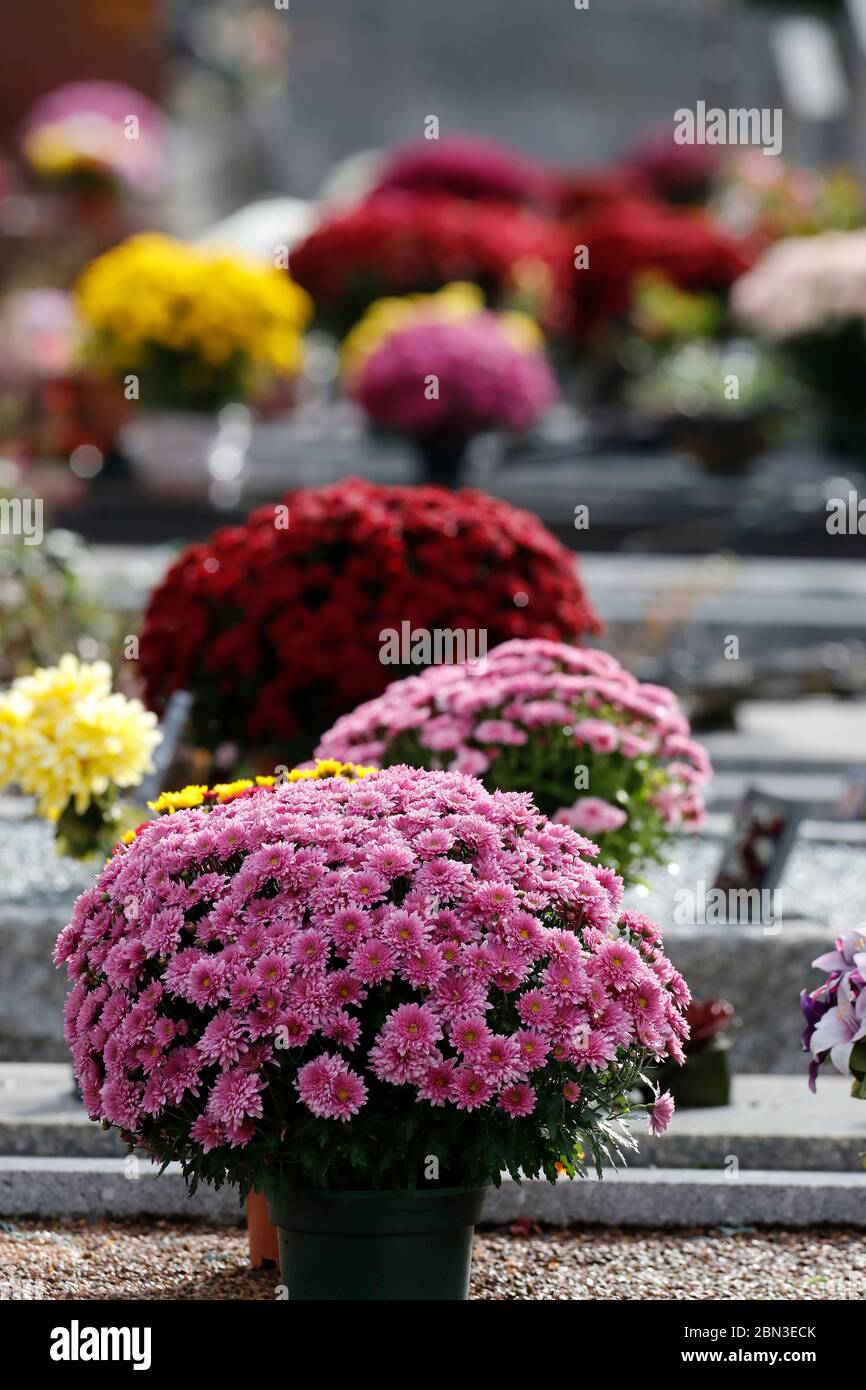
(376,1245)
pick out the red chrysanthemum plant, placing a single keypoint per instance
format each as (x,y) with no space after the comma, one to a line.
(276,629)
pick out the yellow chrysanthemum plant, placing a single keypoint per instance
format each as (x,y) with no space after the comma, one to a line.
(71,742)
(193,326)
(168,803)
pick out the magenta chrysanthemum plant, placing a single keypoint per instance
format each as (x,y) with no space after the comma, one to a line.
(337,981)
(598,750)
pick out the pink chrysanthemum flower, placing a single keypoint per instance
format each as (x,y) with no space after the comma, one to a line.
(593,1049)
(436,1084)
(423,968)
(348,1093)
(310,950)
(532,1049)
(344,989)
(517,1099)
(349,926)
(470,1036)
(536,1009)
(314,1083)
(272,971)
(617,963)
(499,1059)
(405,931)
(373,961)
(411,1028)
(236,1095)
(207,1132)
(344,1030)
(660,1113)
(223,1040)
(396,1067)
(293,1030)
(471,1090)
(205,983)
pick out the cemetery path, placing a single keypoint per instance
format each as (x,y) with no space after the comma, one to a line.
(164,1260)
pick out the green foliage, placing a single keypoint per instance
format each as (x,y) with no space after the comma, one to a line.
(48,604)
(546,768)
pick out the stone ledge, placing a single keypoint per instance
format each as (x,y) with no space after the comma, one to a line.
(646,1197)
(682,1197)
(96,1187)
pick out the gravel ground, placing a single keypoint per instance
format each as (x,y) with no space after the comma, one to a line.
(180,1261)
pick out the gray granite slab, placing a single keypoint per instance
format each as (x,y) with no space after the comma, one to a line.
(650,1197)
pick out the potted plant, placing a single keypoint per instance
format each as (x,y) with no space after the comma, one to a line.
(719,401)
(72,743)
(275,626)
(367,999)
(97,144)
(835,1013)
(185,331)
(805,297)
(598,750)
(441,368)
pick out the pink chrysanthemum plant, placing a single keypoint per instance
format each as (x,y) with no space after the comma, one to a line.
(601,752)
(333,981)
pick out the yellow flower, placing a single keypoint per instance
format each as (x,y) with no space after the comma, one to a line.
(227,791)
(64,735)
(330,767)
(522,331)
(456,301)
(154,292)
(169,802)
(50,153)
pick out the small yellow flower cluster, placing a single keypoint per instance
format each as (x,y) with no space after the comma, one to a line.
(49,152)
(65,736)
(169,802)
(456,301)
(153,291)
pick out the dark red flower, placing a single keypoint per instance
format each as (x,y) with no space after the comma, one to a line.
(466,167)
(675,173)
(585,190)
(631,235)
(400,243)
(295,640)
